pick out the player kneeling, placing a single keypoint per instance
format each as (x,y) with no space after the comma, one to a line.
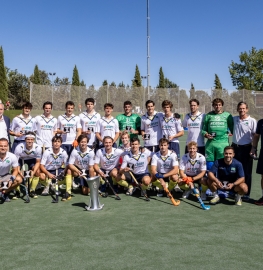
(135,163)
(81,162)
(9,162)
(53,166)
(227,174)
(164,167)
(192,169)
(29,153)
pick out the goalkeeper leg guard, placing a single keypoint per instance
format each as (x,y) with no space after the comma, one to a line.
(34,183)
(171,185)
(123,183)
(158,184)
(68,180)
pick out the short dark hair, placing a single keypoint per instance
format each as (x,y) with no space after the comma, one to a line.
(3,140)
(108,105)
(218,100)
(57,138)
(127,102)
(167,103)
(27,105)
(163,140)
(47,103)
(148,102)
(241,103)
(107,137)
(229,148)
(81,137)
(134,139)
(194,100)
(69,103)
(92,100)
(30,133)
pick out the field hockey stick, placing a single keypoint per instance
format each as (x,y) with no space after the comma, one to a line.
(56,189)
(109,184)
(26,179)
(197,195)
(140,187)
(170,196)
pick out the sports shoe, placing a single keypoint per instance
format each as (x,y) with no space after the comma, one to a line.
(203,195)
(245,198)
(45,192)
(160,193)
(62,186)
(16,196)
(74,185)
(6,198)
(259,201)
(66,197)
(215,200)
(177,189)
(130,190)
(33,194)
(187,193)
(238,200)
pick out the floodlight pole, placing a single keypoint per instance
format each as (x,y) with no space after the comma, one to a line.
(148,50)
(143,77)
(52,74)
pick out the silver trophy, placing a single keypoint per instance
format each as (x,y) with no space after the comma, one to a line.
(94,203)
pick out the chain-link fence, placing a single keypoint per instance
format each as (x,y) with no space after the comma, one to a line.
(59,95)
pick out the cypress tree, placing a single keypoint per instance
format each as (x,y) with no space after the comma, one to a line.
(3,78)
(75,77)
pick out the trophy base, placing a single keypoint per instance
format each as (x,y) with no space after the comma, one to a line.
(88,208)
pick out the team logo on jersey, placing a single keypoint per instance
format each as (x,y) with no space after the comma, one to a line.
(233,169)
(217,117)
(7,161)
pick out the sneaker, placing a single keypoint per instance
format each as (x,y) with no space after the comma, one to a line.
(61,187)
(66,197)
(245,198)
(45,192)
(16,196)
(259,201)
(177,189)
(160,193)
(130,190)
(74,185)
(215,200)
(6,198)
(33,194)
(203,196)
(187,193)
(238,200)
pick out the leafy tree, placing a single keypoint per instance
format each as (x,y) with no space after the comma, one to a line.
(248,74)
(169,84)
(75,77)
(137,82)
(113,84)
(192,91)
(40,77)
(3,78)
(121,84)
(82,83)
(105,83)
(217,82)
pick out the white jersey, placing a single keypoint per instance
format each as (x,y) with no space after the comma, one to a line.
(107,127)
(125,150)
(109,161)
(194,123)
(45,128)
(10,161)
(164,164)
(244,130)
(137,163)
(68,125)
(152,128)
(192,167)
(22,152)
(53,161)
(82,159)
(89,122)
(22,125)
(170,126)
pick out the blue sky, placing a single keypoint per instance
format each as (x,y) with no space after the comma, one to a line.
(191,39)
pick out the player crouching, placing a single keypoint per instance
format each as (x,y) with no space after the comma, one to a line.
(227,174)
(8,161)
(192,169)
(53,165)
(29,153)
(164,168)
(135,163)
(81,162)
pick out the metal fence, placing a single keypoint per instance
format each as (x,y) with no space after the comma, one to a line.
(59,95)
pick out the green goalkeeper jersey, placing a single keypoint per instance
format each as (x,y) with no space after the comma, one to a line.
(129,122)
(217,125)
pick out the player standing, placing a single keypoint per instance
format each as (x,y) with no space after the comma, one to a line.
(194,122)
(107,126)
(244,130)
(88,120)
(171,127)
(129,121)
(22,124)
(151,127)
(45,126)
(69,127)
(164,167)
